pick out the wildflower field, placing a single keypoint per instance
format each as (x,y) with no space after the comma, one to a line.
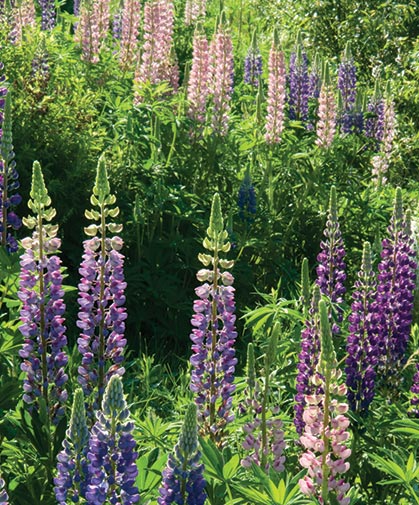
(209,225)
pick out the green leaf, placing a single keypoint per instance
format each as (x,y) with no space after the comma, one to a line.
(230,468)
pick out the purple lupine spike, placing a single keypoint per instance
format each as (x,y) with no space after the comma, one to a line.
(183,482)
(9,178)
(198,85)
(315,78)
(307,360)
(72,467)
(299,85)
(395,293)
(326,124)
(102,314)
(361,347)
(276,93)
(40,64)
(331,269)
(347,81)
(414,402)
(222,79)
(112,457)
(117,25)
(48,14)
(214,333)
(374,122)
(253,63)
(246,200)
(41,294)
(131,16)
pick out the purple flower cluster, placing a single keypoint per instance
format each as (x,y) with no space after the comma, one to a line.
(347,88)
(183,482)
(40,65)
(299,85)
(4,498)
(361,348)
(214,333)
(374,122)
(48,14)
(111,456)
(42,312)
(246,200)
(253,64)
(395,293)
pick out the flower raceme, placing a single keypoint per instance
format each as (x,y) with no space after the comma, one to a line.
(326,124)
(198,85)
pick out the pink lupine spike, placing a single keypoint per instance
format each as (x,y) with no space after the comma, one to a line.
(131,16)
(198,88)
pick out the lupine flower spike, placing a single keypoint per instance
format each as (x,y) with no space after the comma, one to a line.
(9,179)
(315,78)
(42,310)
(361,348)
(264,434)
(374,124)
(88,33)
(395,296)
(48,14)
(326,124)
(276,93)
(326,427)
(194,10)
(222,78)
(4,497)
(347,90)
(331,270)
(183,482)
(131,15)
(102,314)
(253,63)
(72,467)
(299,83)
(112,457)
(214,333)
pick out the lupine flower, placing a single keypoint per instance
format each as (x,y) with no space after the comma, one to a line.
(41,294)
(374,123)
(88,33)
(23,15)
(395,293)
(264,434)
(214,333)
(183,482)
(40,64)
(299,85)
(326,124)
(102,314)
(276,93)
(315,78)
(155,65)
(101,13)
(253,63)
(72,466)
(131,16)
(347,81)
(307,360)
(246,200)
(331,269)
(222,78)
(194,10)
(4,498)
(415,390)
(325,427)
(48,14)
(362,358)
(198,88)
(112,468)
(117,25)
(9,177)
(76,7)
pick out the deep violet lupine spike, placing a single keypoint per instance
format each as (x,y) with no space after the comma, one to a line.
(276,93)
(361,347)
(41,315)
(307,359)
(48,14)
(102,314)
(253,64)
(183,482)
(9,178)
(72,467)
(214,333)
(331,269)
(326,426)
(395,297)
(112,468)
(4,497)
(299,84)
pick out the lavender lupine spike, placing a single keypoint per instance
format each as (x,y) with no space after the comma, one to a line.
(374,124)
(264,433)
(222,79)
(395,296)
(326,124)
(102,314)
(299,85)
(183,482)
(307,360)
(347,89)
(117,24)
(331,269)
(9,178)
(214,333)
(131,16)
(48,14)
(315,78)
(112,457)
(276,93)
(361,347)
(72,466)
(42,309)
(253,63)
(194,10)
(326,427)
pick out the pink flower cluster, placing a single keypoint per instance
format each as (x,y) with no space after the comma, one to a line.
(131,15)
(23,15)
(324,440)
(198,86)
(88,35)
(326,125)
(276,95)
(194,9)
